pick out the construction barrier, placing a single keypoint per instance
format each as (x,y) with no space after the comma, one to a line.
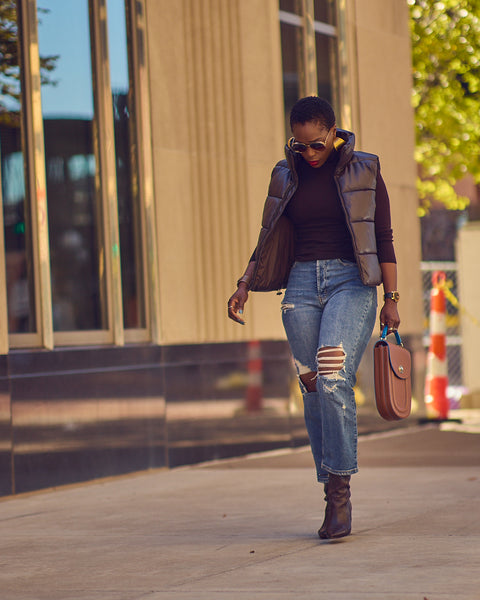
(254,392)
(437,403)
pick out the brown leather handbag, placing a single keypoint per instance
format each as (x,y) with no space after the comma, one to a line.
(392,365)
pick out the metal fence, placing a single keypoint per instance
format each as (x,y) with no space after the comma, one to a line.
(454,340)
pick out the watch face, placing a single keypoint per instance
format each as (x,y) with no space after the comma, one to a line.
(395,296)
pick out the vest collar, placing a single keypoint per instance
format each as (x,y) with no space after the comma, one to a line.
(346,149)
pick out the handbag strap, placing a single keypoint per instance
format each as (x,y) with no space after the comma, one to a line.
(383,335)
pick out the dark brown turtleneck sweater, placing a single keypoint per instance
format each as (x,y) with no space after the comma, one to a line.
(316,212)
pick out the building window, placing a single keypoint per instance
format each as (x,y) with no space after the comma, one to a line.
(326,41)
(70,126)
(308,31)
(16,214)
(126,163)
(72,180)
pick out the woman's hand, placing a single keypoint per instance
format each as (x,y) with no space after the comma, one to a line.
(389,316)
(236,304)
(389,313)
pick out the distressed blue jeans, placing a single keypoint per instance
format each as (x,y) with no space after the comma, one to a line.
(329,315)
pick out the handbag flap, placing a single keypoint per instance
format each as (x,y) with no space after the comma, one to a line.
(400,360)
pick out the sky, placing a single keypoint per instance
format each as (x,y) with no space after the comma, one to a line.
(64,31)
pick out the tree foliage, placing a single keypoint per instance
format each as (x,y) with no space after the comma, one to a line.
(10,61)
(446,82)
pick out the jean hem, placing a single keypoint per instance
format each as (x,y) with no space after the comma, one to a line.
(342,473)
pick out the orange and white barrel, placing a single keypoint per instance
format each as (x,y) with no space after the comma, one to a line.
(255,379)
(437,403)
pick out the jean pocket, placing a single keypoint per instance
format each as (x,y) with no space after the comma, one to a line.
(347,263)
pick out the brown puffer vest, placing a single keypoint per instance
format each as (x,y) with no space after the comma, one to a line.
(356,179)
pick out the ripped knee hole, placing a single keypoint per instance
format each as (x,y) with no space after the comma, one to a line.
(330,360)
(309,380)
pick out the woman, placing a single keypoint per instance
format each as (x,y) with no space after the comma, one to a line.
(326,236)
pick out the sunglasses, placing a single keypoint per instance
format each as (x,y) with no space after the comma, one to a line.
(300,147)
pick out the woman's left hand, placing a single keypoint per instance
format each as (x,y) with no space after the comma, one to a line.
(389,316)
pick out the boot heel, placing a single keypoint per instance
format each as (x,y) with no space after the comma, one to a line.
(322,532)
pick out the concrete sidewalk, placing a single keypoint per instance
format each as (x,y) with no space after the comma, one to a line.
(246,530)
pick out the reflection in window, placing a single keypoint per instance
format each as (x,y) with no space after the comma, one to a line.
(126,166)
(18,251)
(74,206)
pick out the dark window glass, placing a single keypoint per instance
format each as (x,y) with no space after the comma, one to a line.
(326,67)
(16,216)
(324,11)
(292,6)
(291,63)
(126,165)
(74,203)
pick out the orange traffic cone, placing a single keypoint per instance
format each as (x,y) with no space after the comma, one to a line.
(436,402)
(254,384)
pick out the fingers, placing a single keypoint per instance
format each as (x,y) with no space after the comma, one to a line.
(235,305)
(391,324)
(235,311)
(389,318)
(390,328)
(236,316)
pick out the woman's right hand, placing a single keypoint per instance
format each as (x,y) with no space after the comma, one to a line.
(236,304)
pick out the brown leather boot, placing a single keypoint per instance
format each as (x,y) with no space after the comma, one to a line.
(322,532)
(339,508)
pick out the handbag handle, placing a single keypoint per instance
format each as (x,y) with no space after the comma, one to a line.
(383,335)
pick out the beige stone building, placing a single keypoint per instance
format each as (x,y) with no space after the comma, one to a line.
(137,139)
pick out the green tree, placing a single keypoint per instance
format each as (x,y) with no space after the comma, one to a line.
(446,81)
(10,62)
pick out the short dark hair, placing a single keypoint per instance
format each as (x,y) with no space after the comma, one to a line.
(312,108)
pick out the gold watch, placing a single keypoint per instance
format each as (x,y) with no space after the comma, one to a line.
(395,296)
